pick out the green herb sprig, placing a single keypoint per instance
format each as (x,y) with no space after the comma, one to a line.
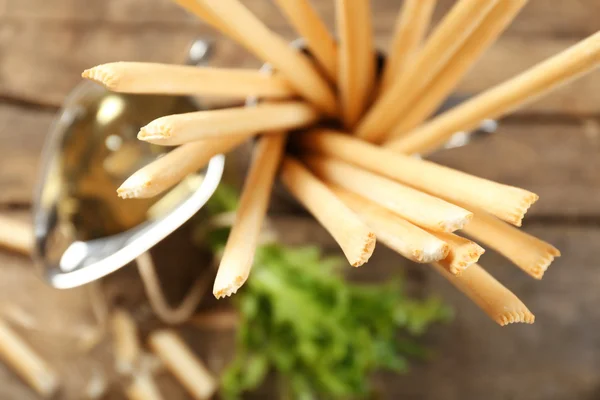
(323,336)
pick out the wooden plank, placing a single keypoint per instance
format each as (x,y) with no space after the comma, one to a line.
(46,60)
(549,17)
(558,161)
(65,49)
(22,133)
(557,357)
(473,357)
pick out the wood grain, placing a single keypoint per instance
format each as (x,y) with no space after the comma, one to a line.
(22,132)
(550,17)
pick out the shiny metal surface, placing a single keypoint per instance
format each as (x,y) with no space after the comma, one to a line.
(83,231)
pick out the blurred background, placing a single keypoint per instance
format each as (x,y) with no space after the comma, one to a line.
(551,147)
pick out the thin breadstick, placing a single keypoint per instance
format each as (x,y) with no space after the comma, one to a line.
(355,238)
(183,364)
(417,207)
(499,303)
(462,252)
(172,167)
(356,58)
(292,64)
(238,255)
(26,363)
(182,128)
(16,235)
(441,45)
(398,234)
(503,98)
(527,252)
(195,7)
(138,77)
(506,202)
(127,349)
(303,17)
(409,32)
(446,80)
(143,387)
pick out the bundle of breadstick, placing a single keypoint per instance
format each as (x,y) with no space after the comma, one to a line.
(342,135)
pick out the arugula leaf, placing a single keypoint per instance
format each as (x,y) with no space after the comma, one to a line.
(322,335)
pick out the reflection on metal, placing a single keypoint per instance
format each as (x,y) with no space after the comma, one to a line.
(83,231)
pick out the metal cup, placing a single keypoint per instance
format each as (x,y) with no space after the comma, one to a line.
(82,230)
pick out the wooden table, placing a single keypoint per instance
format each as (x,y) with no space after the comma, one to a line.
(552,148)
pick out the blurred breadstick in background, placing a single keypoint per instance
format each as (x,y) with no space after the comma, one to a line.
(143,387)
(16,235)
(18,355)
(183,364)
(126,343)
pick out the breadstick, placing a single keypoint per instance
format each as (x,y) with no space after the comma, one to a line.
(303,17)
(355,238)
(137,77)
(398,234)
(143,387)
(409,32)
(183,128)
(356,58)
(431,98)
(503,98)
(26,363)
(506,202)
(417,207)
(127,349)
(183,364)
(441,45)
(238,255)
(462,252)
(527,252)
(171,168)
(499,303)
(16,235)
(195,7)
(292,64)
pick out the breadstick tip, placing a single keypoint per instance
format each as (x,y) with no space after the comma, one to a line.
(366,251)
(511,317)
(103,75)
(457,223)
(516,218)
(155,131)
(230,288)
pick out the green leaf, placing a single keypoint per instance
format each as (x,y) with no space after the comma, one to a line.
(323,336)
